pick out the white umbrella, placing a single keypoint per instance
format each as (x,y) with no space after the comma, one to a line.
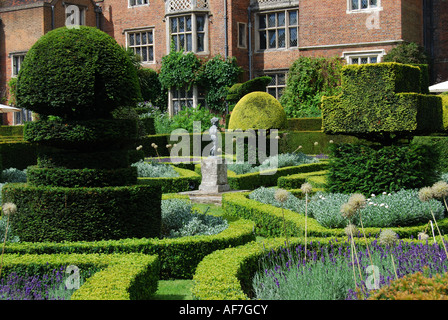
(4,109)
(439,87)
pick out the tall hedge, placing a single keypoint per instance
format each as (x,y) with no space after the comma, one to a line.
(380,100)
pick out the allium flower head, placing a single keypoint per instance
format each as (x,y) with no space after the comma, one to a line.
(425,194)
(168,146)
(350,230)
(422,236)
(440,189)
(347,210)
(388,237)
(9,208)
(306,187)
(139,147)
(153,144)
(281,195)
(357,200)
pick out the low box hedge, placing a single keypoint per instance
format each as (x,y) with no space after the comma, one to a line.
(269,220)
(295,181)
(250,181)
(131,276)
(84,214)
(178,257)
(187,180)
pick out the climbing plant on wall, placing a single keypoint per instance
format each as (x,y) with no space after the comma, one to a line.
(184,69)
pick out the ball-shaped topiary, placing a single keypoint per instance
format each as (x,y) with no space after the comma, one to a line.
(258,110)
(77,74)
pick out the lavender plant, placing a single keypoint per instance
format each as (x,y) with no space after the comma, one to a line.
(327,273)
(49,286)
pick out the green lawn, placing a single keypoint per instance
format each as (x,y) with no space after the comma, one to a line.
(174,290)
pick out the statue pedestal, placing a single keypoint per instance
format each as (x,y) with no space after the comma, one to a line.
(214,175)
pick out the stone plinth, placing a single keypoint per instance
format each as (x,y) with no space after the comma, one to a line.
(214,175)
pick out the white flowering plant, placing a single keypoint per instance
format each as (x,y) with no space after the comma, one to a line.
(400,208)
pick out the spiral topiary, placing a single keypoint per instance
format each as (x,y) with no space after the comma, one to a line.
(258,110)
(77,74)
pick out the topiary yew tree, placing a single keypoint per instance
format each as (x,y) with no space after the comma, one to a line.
(78,73)
(83,187)
(383,104)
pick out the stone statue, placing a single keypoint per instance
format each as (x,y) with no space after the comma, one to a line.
(214,135)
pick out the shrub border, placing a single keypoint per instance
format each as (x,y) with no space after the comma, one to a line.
(269,220)
(132,276)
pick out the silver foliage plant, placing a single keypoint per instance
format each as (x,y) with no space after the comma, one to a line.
(180,219)
(154,169)
(402,208)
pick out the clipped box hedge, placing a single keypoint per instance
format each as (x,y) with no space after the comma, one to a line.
(295,181)
(178,257)
(89,214)
(250,181)
(269,220)
(131,276)
(384,97)
(187,180)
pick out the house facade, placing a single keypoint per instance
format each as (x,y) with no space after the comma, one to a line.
(266,36)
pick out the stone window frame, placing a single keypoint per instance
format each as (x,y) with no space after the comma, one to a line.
(135,3)
(16,62)
(369,7)
(287,28)
(135,47)
(194,31)
(350,56)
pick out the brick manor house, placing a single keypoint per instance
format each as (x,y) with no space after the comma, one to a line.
(266,36)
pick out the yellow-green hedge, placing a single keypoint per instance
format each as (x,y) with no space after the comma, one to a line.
(295,181)
(131,276)
(250,181)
